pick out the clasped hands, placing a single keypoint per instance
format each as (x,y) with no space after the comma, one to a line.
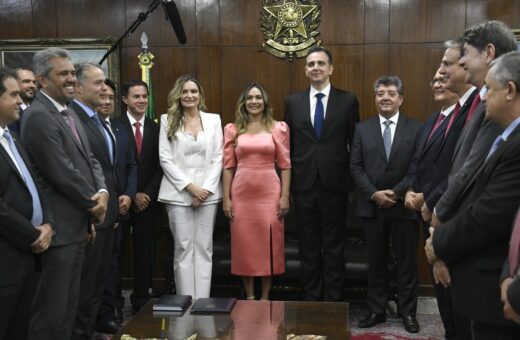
(441,273)
(384,198)
(509,312)
(198,194)
(43,241)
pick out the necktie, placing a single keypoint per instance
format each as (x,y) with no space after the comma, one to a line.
(37,216)
(138,138)
(498,141)
(514,246)
(104,133)
(387,137)
(453,118)
(70,122)
(472,108)
(440,118)
(318,115)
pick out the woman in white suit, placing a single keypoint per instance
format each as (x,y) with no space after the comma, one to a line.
(190,151)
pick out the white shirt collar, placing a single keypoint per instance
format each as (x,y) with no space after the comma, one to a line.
(393,119)
(466,95)
(446,112)
(133,120)
(58,106)
(325,91)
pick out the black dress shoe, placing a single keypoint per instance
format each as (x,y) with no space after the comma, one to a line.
(371,320)
(410,324)
(110,327)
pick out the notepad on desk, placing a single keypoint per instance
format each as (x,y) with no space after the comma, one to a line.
(213,305)
(172,303)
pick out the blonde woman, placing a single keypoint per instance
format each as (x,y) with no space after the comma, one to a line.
(254,198)
(190,151)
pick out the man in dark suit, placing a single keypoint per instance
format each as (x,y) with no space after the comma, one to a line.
(145,208)
(474,242)
(482,44)
(110,314)
(382,150)
(27,84)
(25,220)
(59,147)
(322,120)
(98,255)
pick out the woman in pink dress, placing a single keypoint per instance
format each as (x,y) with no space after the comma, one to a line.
(254,198)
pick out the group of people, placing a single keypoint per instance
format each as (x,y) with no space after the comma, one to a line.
(459,172)
(76,180)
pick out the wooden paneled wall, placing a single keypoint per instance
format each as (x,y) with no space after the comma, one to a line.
(368,38)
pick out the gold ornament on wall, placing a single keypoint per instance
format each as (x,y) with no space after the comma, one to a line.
(290,27)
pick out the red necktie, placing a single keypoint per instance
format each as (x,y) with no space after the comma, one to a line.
(514,246)
(453,118)
(436,126)
(476,101)
(138,138)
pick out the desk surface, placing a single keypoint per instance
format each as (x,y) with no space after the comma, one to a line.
(263,320)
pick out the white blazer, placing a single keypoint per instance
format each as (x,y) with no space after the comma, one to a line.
(171,156)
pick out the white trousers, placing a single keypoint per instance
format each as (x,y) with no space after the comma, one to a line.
(192,230)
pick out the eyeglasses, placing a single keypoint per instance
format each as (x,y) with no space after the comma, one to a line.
(440,80)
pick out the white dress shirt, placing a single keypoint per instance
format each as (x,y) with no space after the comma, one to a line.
(394,120)
(314,100)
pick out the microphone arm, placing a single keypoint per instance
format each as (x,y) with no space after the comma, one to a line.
(140,19)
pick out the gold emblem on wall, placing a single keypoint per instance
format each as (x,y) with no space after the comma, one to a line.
(289,27)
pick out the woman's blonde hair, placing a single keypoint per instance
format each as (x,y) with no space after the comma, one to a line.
(242,116)
(175,111)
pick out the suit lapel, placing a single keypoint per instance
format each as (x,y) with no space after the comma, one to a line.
(439,133)
(306,111)
(10,162)
(376,130)
(478,111)
(89,125)
(398,135)
(130,133)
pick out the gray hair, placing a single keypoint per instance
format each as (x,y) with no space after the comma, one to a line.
(388,80)
(455,44)
(42,59)
(507,68)
(81,68)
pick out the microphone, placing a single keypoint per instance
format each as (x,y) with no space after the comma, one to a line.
(172,13)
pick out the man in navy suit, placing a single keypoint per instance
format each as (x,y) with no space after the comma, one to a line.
(25,220)
(110,315)
(322,120)
(144,133)
(382,150)
(475,241)
(27,84)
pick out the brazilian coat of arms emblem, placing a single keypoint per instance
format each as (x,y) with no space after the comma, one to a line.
(290,27)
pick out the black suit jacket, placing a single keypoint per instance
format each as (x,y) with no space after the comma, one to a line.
(126,165)
(100,150)
(16,230)
(72,173)
(328,156)
(373,172)
(16,126)
(475,241)
(149,171)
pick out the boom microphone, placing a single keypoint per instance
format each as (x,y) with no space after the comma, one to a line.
(175,20)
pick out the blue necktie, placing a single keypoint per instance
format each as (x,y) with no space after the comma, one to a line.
(105,134)
(387,138)
(318,115)
(37,216)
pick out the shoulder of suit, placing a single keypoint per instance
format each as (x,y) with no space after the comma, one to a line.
(214,116)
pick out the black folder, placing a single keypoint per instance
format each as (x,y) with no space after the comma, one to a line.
(172,303)
(213,305)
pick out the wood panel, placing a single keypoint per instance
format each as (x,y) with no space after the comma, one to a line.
(503,10)
(377,21)
(342,22)
(89,18)
(43,18)
(240,22)
(425,20)
(416,64)
(16,19)
(208,22)
(209,75)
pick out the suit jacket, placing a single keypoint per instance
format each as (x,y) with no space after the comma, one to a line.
(16,230)
(171,155)
(469,154)
(475,241)
(328,156)
(101,152)
(68,167)
(15,127)
(373,172)
(126,165)
(149,172)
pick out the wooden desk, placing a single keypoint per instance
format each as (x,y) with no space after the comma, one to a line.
(249,320)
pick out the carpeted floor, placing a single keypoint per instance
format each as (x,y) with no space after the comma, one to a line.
(427,316)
